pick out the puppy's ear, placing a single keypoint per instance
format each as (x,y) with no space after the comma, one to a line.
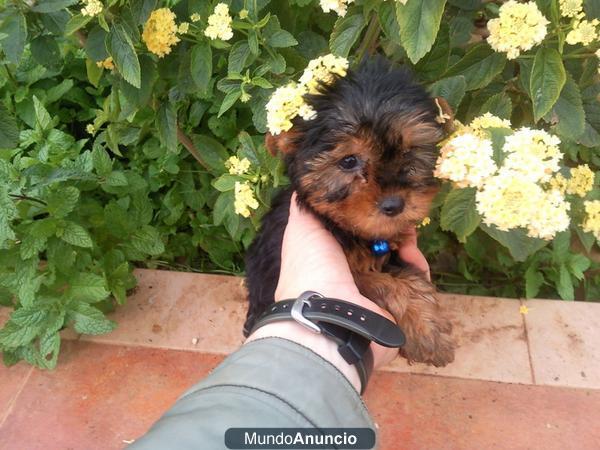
(445,115)
(284,142)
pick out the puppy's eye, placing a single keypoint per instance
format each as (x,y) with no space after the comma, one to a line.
(348,162)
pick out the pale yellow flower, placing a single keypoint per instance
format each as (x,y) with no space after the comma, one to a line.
(591,223)
(90,128)
(323,70)
(508,200)
(244,199)
(466,160)
(106,63)
(523,309)
(485,121)
(339,6)
(426,221)
(532,153)
(92,8)
(237,166)
(581,181)
(584,32)
(550,217)
(519,27)
(160,32)
(571,8)
(559,183)
(219,23)
(195,17)
(183,28)
(244,14)
(283,106)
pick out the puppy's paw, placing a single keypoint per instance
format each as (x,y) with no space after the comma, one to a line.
(432,344)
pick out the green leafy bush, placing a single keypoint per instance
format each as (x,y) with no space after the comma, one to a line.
(118,122)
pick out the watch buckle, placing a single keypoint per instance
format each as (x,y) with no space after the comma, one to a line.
(298,308)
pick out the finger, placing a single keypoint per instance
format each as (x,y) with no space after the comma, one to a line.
(410,253)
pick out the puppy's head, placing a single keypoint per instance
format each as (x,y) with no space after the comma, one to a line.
(366,160)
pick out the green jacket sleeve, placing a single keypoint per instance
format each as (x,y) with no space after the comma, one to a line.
(270,382)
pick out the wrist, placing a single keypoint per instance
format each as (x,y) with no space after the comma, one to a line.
(318,343)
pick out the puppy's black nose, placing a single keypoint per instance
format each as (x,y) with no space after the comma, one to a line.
(392,205)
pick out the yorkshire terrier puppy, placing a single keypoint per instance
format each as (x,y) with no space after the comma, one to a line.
(364,166)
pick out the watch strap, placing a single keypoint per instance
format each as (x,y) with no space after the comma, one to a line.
(351,326)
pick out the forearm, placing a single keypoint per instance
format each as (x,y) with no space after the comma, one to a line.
(269,382)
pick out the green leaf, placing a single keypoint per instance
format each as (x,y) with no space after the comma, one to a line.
(578,264)
(499,105)
(89,320)
(389,21)
(281,39)
(516,241)
(124,56)
(75,234)
(564,284)
(587,239)
(31,245)
(61,202)
(548,77)
(419,22)
(76,22)
(9,130)
(116,179)
(13,336)
(101,160)
(225,182)
(534,280)
(45,51)
(8,212)
(166,123)
(560,246)
(238,57)
(48,6)
(451,89)
(95,44)
(42,117)
(498,137)
(211,151)
(568,113)
(253,42)
(201,65)
(459,213)
(479,66)
(87,287)
(229,101)
(147,240)
(15,26)
(435,62)
(345,34)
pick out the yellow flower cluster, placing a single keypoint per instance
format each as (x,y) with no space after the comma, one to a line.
(287,101)
(467,160)
(518,28)
(244,199)
(508,201)
(195,17)
(323,70)
(106,63)
(533,153)
(92,8)
(520,194)
(591,223)
(339,6)
(581,181)
(219,23)
(571,8)
(160,32)
(237,166)
(584,32)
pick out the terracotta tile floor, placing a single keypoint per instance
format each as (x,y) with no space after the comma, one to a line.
(517,382)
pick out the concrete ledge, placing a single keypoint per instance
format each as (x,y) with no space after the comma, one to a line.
(554,343)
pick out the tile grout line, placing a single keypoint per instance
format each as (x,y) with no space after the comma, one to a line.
(528,344)
(13,402)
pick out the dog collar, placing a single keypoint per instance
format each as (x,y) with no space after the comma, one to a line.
(380,247)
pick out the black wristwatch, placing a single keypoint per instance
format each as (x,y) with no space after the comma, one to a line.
(351,326)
